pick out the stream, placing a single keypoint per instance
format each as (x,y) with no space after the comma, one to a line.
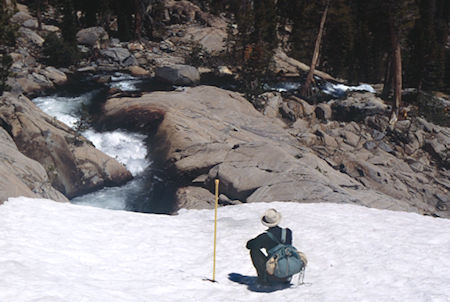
(151,190)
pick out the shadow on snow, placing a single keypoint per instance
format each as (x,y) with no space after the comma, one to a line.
(252,284)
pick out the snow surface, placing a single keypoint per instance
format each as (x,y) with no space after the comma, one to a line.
(63,252)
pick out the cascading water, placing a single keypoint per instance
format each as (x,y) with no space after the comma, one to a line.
(152,189)
(71,103)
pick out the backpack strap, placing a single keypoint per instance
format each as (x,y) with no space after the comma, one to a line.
(283,236)
(272,236)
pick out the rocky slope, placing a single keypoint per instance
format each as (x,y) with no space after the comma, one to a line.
(206,133)
(286,150)
(73,165)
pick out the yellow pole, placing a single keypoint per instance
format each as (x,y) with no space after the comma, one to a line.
(215,229)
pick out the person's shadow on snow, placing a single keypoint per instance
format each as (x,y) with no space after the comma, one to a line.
(253,285)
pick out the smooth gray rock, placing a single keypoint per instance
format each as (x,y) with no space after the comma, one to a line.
(117,54)
(22,176)
(255,157)
(31,36)
(357,107)
(93,37)
(323,111)
(178,74)
(72,163)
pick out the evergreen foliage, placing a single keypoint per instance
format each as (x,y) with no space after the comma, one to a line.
(58,52)
(5,65)
(7,40)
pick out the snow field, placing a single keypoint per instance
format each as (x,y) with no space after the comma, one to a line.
(64,252)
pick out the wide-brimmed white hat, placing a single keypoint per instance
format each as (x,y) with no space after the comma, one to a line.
(271,218)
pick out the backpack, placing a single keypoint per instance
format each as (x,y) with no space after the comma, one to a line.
(284,259)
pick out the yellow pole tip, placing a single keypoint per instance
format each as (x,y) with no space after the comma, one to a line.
(216,181)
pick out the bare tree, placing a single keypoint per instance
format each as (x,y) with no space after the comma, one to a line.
(306,88)
(396,64)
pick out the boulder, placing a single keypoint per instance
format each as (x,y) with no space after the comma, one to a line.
(119,55)
(50,28)
(73,165)
(22,176)
(178,74)
(357,107)
(195,198)
(55,75)
(323,111)
(269,103)
(20,17)
(93,37)
(31,36)
(31,23)
(138,71)
(24,85)
(210,38)
(208,130)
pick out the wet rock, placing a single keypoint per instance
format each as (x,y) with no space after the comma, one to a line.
(357,107)
(178,74)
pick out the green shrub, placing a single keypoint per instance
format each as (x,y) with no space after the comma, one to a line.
(59,53)
(5,64)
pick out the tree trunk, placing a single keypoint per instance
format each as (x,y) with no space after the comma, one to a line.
(39,14)
(397,70)
(388,80)
(306,90)
(138,19)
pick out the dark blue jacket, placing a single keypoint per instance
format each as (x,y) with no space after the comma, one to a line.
(264,241)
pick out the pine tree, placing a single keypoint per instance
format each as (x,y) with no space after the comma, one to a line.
(338,42)
(69,22)
(7,40)
(427,43)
